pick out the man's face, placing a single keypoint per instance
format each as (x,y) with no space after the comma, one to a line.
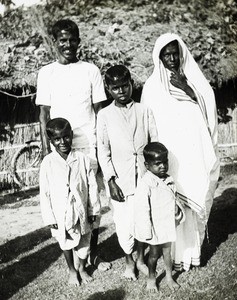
(121,91)
(62,141)
(170,56)
(67,44)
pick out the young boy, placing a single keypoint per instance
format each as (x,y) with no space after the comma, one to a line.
(72,89)
(68,197)
(123,129)
(156,212)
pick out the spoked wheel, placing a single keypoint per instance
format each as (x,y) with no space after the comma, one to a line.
(26,163)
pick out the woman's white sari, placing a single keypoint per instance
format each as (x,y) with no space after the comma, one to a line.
(189,130)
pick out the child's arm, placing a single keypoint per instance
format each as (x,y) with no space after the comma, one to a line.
(45,200)
(179,213)
(105,158)
(104,149)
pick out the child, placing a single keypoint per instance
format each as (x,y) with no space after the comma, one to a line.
(156,212)
(72,89)
(123,129)
(68,197)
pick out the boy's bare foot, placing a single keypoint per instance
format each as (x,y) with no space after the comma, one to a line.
(100,264)
(73,278)
(172,284)
(85,278)
(142,268)
(129,272)
(151,285)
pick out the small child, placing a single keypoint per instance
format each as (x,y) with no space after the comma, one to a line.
(68,198)
(123,129)
(157,212)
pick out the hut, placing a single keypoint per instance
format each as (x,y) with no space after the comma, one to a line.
(112,33)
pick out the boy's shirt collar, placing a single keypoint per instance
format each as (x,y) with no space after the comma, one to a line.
(129,105)
(70,158)
(155,180)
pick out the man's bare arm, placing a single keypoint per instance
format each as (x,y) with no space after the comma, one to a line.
(43,118)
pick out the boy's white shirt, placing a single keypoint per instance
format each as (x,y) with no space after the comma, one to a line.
(59,180)
(154,207)
(121,142)
(71,90)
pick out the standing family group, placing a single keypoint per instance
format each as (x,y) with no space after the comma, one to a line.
(158,157)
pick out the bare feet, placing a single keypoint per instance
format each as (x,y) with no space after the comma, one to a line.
(100,264)
(130,272)
(85,278)
(172,284)
(142,268)
(73,278)
(151,285)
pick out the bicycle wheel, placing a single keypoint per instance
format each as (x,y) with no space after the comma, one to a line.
(26,164)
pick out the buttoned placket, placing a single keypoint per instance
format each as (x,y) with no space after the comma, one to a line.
(131,127)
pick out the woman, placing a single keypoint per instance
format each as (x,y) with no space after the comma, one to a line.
(184,107)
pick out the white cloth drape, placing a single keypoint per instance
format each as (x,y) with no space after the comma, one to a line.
(188,129)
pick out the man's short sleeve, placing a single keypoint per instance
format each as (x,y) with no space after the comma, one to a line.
(43,87)
(98,91)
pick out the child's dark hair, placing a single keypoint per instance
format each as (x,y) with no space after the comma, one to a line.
(57,124)
(117,73)
(65,24)
(152,149)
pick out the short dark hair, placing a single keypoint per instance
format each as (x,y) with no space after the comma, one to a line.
(56,124)
(152,149)
(117,73)
(65,24)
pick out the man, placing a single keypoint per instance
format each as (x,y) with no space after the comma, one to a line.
(72,89)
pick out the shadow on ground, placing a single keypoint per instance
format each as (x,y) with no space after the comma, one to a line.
(13,248)
(222,222)
(18,196)
(117,294)
(22,272)
(109,250)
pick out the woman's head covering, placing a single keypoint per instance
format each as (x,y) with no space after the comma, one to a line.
(187,128)
(155,91)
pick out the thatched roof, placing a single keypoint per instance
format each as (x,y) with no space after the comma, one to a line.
(118,32)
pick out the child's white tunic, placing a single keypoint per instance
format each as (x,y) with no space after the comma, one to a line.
(154,210)
(68,194)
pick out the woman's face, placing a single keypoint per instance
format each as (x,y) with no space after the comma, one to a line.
(169,55)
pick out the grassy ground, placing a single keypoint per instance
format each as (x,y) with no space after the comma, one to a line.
(33,267)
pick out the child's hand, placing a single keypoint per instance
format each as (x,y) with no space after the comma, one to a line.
(115,191)
(91,219)
(53,226)
(178,215)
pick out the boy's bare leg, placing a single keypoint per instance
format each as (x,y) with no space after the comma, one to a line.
(76,260)
(94,259)
(141,266)
(152,263)
(166,248)
(73,274)
(85,277)
(130,268)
